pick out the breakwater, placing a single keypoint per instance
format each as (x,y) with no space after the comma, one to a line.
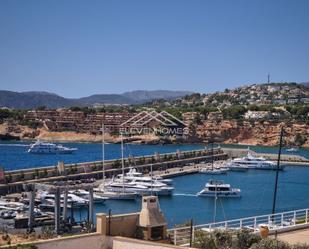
(13,180)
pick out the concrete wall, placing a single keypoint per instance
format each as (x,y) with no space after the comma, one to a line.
(90,241)
(98,241)
(236,152)
(122,225)
(126,243)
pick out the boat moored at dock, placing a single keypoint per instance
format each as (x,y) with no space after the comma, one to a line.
(253,162)
(214,171)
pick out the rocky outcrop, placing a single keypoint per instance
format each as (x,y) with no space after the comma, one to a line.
(253,133)
(225,131)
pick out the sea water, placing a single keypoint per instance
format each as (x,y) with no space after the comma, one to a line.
(257,186)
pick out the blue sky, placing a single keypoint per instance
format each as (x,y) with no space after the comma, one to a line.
(76,48)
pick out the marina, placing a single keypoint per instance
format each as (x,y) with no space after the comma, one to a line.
(256,192)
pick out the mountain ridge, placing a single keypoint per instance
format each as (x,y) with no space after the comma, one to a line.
(35,99)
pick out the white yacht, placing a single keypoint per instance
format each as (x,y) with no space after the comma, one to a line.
(214,171)
(236,167)
(253,162)
(219,189)
(153,185)
(140,188)
(12,206)
(49,148)
(133,174)
(105,190)
(138,177)
(48,200)
(113,195)
(85,195)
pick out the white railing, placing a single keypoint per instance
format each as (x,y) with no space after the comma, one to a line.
(275,222)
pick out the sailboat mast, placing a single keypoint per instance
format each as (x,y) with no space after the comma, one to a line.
(122,162)
(215,206)
(212,156)
(277,171)
(151,179)
(103,154)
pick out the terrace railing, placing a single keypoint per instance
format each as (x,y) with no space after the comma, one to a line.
(275,222)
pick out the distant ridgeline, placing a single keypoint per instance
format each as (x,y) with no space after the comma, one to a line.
(33,100)
(249,114)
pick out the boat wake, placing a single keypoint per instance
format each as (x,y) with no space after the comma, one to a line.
(183,194)
(15,145)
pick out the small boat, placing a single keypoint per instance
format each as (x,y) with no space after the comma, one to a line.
(85,195)
(12,206)
(48,200)
(219,189)
(293,149)
(215,171)
(8,214)
(49,148)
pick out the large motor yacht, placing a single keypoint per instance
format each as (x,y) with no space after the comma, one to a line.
(120,185)
(253,162)
(145,184)
(138,177)
(49,148)
(219,189)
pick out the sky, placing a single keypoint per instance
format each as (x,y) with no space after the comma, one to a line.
(77,48)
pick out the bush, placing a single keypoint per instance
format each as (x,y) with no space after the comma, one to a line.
(245,239)
(215,240)
(270,244)
(204,240)
(300,246)
(242,239)
(22,247)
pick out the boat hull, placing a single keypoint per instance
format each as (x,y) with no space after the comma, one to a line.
(219,194)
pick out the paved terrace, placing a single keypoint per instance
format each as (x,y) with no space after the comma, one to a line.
(294,237)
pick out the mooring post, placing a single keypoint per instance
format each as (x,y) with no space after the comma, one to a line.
(109,222)
(191,232)
(57,211)
(91,207)
(65,206)
(31,196)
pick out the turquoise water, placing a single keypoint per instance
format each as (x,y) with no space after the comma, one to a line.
(257,193)
(15,155)
(256,186)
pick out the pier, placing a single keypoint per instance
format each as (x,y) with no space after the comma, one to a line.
(287,159)
(168,165)
(14,180)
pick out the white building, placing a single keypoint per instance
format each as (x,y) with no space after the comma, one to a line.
(257,115)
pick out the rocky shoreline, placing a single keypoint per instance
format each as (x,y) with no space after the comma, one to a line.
(225,132)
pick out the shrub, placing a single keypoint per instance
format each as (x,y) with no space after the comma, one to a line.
(270,244)
(22,247)
(214,240)
(245,239)
(300,246)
